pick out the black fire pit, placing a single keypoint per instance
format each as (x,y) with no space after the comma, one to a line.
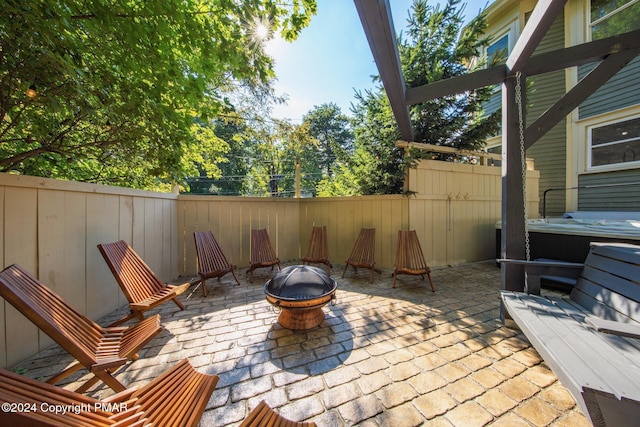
(300,291)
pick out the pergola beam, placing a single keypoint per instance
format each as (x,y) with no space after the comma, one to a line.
(579,93)
(459,84)
(582,54)
(513,243)
(543,63)
(539,23)
(375,16)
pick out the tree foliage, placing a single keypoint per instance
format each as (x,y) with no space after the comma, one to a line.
(220,173)
(118,83)
(332,130)
(435,49)
(273,151)
(375,166)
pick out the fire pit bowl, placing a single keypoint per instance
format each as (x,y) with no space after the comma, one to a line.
(300,292)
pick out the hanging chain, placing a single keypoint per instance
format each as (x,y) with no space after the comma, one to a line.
(523,159)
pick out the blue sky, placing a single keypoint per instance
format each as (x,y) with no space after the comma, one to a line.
(331,58)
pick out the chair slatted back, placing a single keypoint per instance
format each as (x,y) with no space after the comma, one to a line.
(318,246)
(262,251)
(409,254)
(136,279)
(178,397)
(363,252)
(211,259)
(15,388)
(609,285)
(263,416)
(76,333)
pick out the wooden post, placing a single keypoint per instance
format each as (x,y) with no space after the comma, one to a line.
(513,227)
(297,196)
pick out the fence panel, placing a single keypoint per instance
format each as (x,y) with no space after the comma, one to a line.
(51,228)
(454,209)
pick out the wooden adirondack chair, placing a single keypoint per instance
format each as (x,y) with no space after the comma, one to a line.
(99,350)
(262,252)
(211,260)
(140,285)
(263,416)
(409,257)
(318,250)
(362,254)
(177,398)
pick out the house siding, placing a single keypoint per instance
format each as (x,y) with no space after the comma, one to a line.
(549,152)
(625,198)
(620,92)
(494,103)
(617,100)
(615,94)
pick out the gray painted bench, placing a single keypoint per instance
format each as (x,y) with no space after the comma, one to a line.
(591,339)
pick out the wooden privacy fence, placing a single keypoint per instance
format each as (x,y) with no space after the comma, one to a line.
(289,223)
(455,206)
(52,229)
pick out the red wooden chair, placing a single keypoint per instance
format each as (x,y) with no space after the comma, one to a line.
(211,260)
(263,416)
(100,350)
(362,254)
(142,288)
(409,257)
(262,252)
(177,398)
(318,250)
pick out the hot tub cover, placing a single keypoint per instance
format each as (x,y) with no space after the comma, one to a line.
(300,282)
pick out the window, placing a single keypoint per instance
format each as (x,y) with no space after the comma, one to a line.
(615,143)
(498,51)
(612,17)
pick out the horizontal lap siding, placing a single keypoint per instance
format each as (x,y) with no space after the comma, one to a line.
(622,90)
(610,198)
(549,152)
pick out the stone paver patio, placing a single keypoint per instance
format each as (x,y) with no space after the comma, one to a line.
(383,356)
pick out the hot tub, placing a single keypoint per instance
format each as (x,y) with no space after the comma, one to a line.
(568,238)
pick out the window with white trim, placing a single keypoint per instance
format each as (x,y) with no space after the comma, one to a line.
(615,143)
(611,17)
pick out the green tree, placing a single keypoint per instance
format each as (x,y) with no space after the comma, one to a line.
(276,147)
(376,164)
(299,147)
(222,172)
(116,85)
(332,130)
(435,49)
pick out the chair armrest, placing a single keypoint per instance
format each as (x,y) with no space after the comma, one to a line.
(534,269)
(543,264)
(178,289)
(122,396)
(615,328)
